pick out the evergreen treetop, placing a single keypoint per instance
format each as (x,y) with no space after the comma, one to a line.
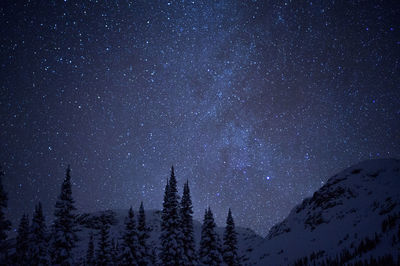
(103,257)
(171,235)
(165,210)
(38,238)
(209,253)
(186,213)
(130,242)
(5,224)
(22,245)
(230,242)
(64,229)
(143,236)
(90,251)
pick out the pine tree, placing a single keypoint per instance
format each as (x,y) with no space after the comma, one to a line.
(186,213)
(209,244)
(130,243)
(64,229)
(143,236)
(22,245)
(114,252)
(230,242)
(5,224)
(103,257)
(38,240)
(171,236)
(90,251)
(164,224)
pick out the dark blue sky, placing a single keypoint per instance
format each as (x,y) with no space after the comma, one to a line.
(256,103)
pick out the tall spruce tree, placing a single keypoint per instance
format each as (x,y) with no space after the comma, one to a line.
(38,238)
(186,212)
(22,245)
(209,253)
(229,248)
(143,236)
(130,242)
(64,228)
(164,214)
(90,260)
(171,236)
(5,224)
(103,254)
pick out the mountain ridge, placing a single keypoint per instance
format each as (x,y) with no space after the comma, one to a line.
(359,205)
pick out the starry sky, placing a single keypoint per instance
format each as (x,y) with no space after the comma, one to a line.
(256,103)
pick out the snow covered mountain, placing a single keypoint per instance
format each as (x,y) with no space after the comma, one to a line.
(90,222)
(353,217)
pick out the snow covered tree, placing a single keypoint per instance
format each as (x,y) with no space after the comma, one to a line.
(22,245)
(90,251)
(165,210)
(130,242)
(5,224)
(143,236)
(114,252)
(164,224)
(229,248)
(171,236)
(64,228)
(186,213)
(103,254)
(38,238)
(209,253)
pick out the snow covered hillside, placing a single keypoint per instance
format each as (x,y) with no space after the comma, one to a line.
(354,216)
(247,239)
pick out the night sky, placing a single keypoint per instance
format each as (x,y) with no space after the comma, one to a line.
(256,103)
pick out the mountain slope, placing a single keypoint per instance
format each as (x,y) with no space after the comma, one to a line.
(354,216)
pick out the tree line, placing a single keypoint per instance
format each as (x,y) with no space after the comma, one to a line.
(36,244)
